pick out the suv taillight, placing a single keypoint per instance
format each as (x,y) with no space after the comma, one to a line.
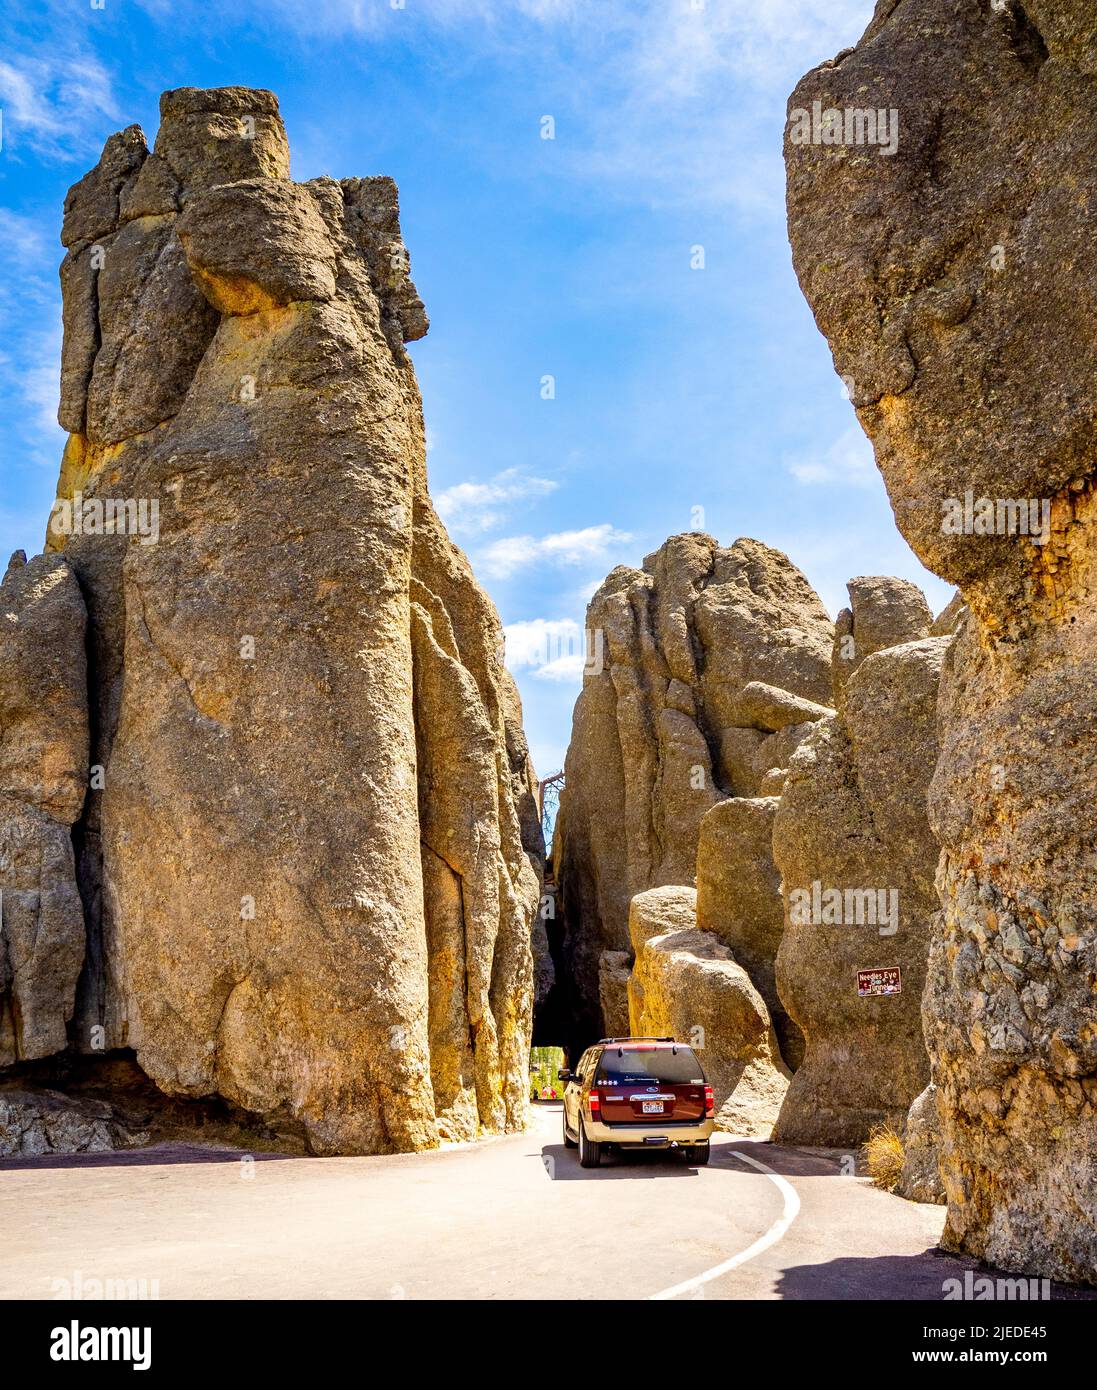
(710,1103)
(595,1102)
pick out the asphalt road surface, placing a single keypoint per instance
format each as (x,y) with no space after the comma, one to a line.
(506,1218)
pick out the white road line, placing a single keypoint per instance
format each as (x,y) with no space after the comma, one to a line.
(776,1231)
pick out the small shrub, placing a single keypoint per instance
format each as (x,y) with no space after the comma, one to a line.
(884,1157)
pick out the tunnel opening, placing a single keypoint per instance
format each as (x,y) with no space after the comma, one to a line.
(545,1064)
(561,1016)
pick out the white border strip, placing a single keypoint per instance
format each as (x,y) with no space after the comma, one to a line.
(776,1231)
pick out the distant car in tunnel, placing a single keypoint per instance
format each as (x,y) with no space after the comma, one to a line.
(638,1093)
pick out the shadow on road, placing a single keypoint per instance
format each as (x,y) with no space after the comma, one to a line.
(562,1165)
(162,1154)
(793,1162)
(889,1277)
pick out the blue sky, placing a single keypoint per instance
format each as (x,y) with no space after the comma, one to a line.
(685,396)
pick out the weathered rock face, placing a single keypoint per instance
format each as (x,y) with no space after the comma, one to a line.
(921,1179)
(305,878)
(43,777)
(739,900)
(685,984)
(883,612)
(42,1122)
(856,855)
(614,969)
(714,663)
(920,268)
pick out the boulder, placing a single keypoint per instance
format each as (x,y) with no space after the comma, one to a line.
(312,868)
(762,706)
(921,1178)
(687,985)
(920,268)
(39,1122)
(884,612)
(739,900)
(773,783)
(660,911)
(948,620)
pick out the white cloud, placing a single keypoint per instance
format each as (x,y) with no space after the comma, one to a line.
(847,462)
(54,102)
(373,17)
(22,238)
(678,102)
(692,100)
(39,385)
(675,46)
(30,328)
(507,556)
(551,649)
(468,508)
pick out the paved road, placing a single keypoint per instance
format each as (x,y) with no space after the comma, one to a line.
(507,1218)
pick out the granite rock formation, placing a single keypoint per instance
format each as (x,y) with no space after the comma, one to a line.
(43,779)
(739,899)
(311,863)
(686,984)
(961,309)
(883,612)
(39,1122)
(857,857)
(921,1176)
(708,667)
(614,970)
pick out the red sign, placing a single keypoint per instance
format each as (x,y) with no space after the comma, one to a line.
(887,980)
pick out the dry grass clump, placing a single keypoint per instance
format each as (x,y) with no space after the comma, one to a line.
(884,1157)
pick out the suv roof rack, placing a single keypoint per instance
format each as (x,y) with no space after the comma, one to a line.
(628,1040)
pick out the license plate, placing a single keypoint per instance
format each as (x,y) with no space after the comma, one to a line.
(652,1107)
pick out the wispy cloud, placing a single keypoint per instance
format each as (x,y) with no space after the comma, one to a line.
(54,100)
(680,99)
(30,325)
(847,462)
(23,238)
(591,545)
(39,386)
(473,508)
(367,18)
(549,649)
(676,46)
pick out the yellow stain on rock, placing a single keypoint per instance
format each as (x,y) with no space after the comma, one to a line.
(81,462)
(234,294)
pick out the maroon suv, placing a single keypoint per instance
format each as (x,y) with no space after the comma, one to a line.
(638,1093)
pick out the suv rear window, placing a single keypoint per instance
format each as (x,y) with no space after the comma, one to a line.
(662,1064)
